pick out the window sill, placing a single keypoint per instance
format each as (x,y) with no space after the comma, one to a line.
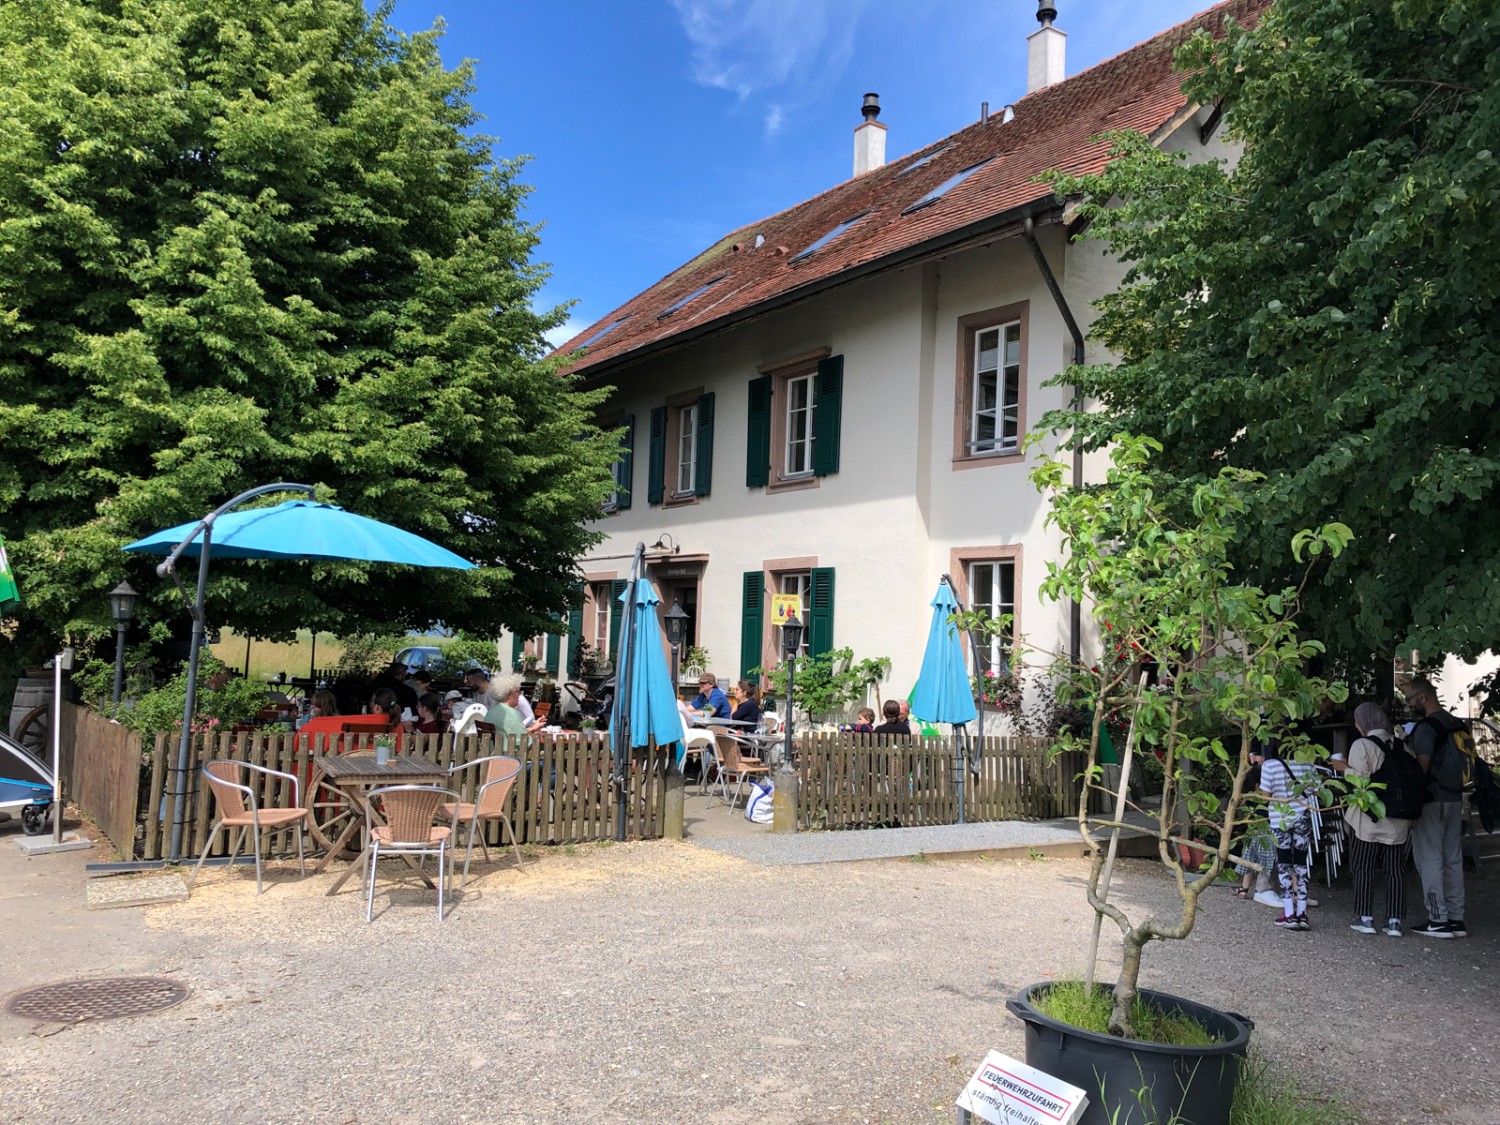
(794,484)
(992,457)
(682,501)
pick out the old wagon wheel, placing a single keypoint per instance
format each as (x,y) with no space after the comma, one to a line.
(34,732)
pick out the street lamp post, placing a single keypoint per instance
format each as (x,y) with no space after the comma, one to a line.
(122,609)
(676,633)
(784,795)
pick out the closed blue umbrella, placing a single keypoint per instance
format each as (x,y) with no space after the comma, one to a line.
(646,688)
(304,529)
(943,693)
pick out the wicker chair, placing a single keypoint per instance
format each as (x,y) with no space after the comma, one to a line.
(226,778)
(489,803)
(735,765)
(409,831)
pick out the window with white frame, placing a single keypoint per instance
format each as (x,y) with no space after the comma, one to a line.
(687,450)
(995,401)
(600,592)
(799,426)
(798,582)
(992,591)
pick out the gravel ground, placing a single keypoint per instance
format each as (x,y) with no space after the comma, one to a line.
(667,982)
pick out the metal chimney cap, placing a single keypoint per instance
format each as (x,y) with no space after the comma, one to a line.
(871,108)
(1046,12)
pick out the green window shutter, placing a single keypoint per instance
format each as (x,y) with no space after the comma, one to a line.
(820,602)
(828,409)
(657,455)
(758,438)
(616,616)
(751,611)
(703,471)
(575,629)
(554,654)
(625,473)
(517,644)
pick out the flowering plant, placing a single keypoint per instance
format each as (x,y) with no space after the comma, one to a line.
(1001,690)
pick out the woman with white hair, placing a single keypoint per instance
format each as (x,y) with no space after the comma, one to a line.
(1379,846)
(504,715)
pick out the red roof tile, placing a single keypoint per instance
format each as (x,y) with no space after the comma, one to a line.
(1054,128)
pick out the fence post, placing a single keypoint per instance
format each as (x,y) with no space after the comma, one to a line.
(784,798)
(672,811)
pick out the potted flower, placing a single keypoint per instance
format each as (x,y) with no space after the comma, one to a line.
(1199,664)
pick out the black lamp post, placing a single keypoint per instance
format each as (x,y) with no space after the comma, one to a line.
(122,609)
(791,644)
(676,632)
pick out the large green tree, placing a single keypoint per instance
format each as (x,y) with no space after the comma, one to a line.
(259,241)
(1324,313)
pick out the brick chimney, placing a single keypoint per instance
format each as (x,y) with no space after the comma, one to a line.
(869,138)
(1045,50)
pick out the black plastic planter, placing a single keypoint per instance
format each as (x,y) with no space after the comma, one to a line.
(1132,1082)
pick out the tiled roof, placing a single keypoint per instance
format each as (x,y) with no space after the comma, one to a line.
(1053,128)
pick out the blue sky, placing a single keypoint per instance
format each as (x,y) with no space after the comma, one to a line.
(656,126)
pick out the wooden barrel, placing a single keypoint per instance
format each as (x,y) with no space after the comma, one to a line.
(32,692)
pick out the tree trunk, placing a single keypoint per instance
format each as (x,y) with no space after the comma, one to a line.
(1125,985)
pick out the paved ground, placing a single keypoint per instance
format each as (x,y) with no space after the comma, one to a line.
(669,982)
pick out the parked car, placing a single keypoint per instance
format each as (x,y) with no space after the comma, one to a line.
(418,657)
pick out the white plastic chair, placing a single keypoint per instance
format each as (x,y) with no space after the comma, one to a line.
(464,724)
(697,740)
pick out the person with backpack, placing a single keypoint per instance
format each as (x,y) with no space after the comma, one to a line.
(1436,841)
(1381,845)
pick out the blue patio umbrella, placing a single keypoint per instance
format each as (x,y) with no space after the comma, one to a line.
(646,687)
(943,693)
(296,529)
(303,529)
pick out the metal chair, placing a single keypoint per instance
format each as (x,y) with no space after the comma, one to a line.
(735,765)
(489,802)
(697,740)
(409,831)
(224,776)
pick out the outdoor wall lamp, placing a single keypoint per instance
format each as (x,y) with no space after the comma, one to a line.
(122,609)
(667,542)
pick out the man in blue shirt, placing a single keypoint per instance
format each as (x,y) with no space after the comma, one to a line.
(710,702)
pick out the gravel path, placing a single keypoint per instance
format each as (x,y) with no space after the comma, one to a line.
(668,982)
(894,843)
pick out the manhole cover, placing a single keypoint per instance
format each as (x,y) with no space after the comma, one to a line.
(74,1001)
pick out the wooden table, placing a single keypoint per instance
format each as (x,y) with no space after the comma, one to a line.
(355,775)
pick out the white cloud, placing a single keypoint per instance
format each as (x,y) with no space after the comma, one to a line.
(774,118)
(745,46)
(565,332)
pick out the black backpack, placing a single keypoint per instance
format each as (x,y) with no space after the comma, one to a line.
(1405,786)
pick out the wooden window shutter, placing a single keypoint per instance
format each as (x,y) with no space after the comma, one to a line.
(657,455)
(625,475)
(820,610)
(703,471)
(517,646)
(575,629)
(554,654)
(828,409)
(751,615)
(616,616)
(758,437)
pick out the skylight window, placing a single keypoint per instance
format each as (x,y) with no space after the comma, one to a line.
(693,296)
(944,188)
(603,332)
(829,237)
(928,159)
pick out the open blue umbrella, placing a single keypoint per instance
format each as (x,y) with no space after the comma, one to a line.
(943,693)
(303,529)
(296,529)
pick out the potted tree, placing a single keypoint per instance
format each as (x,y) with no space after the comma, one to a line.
(1200,664)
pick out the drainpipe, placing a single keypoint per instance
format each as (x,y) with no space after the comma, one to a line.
(1028,232)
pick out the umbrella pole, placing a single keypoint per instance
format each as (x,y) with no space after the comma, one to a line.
(961,746)
(623,686)
(180,775)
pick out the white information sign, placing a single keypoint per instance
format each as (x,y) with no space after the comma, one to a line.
(1007,1092)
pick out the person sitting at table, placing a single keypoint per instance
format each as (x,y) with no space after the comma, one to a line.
(384,702)
(430,714)
(894,723)
(477,680)
(394,680)
(864,722)
(504,716)
(528,716)
(747,702)
(421,682)
(321,706)
(710,702)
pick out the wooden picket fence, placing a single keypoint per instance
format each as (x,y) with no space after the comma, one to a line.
(864,781)
(564,793)
(101,769)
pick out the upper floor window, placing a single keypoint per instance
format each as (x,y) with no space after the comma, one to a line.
(680,465)
(990,386)
(799,426)
(687,449)
(795,420)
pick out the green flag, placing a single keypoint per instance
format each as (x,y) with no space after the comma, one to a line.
(10,595)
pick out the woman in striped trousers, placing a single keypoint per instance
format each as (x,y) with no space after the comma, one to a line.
(1381,848)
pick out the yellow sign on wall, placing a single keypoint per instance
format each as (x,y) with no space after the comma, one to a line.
(784,606)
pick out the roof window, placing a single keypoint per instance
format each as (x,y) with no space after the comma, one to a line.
(693,296)
(928,159)
(603,332)
(945,187)
(829,237)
